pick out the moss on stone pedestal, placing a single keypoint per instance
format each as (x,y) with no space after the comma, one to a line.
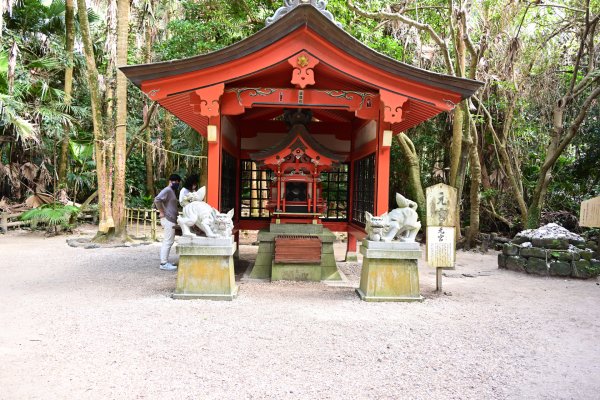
(296,272)
(264,259)
(389,280)
(389,272)
(205,276)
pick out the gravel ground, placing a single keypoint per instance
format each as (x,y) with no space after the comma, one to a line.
(99,324)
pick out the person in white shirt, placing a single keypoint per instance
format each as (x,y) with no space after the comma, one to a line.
(190,185)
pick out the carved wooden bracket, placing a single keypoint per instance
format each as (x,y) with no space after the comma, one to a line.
(205,101)
(394,106)
(303,74)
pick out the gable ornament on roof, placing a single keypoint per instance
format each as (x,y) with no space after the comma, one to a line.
(289,5)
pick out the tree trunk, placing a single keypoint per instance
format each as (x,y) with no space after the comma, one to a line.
(415,186)
(69,44)
(474,192)
(458,126)
(459,157)
(456,145)
(505,159)
(149,161)
(121,120)
(148,153)
(104,198)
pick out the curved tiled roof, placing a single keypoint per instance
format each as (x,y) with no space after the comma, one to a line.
(302,15)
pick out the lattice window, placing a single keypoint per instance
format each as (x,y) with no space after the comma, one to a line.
(335,184)
(228,180)
(363,190)
(254,190)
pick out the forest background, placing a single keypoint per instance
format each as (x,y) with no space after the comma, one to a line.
(523,151)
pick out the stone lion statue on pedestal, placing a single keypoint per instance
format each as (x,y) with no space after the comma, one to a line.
(210,221)
(401,223)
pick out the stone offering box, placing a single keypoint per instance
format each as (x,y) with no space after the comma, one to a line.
(551,250)
(279,258)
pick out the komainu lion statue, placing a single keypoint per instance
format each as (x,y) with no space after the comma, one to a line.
(402,222)
(210,221)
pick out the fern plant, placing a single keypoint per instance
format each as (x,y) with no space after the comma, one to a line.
(53,215)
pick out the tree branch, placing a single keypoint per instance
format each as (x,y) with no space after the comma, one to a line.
(553,5)
(572,131)
(578,60)
(470,46)
(494,214)
(134,140)
(410,22)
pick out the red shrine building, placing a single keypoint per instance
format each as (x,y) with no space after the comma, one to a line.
(299,119)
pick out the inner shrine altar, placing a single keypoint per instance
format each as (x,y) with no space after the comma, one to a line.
(296,246)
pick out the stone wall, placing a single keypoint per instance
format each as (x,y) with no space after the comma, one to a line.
(569,256)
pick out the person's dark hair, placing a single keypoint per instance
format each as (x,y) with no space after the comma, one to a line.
(175,177)
(190,181)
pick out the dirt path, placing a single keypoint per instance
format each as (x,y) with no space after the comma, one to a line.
(99,324)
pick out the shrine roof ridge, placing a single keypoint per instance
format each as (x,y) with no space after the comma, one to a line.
(301,15)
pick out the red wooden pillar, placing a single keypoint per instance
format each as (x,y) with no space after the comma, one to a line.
(314,190)
(351,248)
(382,170)
(215,152)
(278,192)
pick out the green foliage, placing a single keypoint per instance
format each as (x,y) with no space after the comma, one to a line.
(211,25)
(141,202)
(135,178)
(489,193)
(52,215)
(515,35)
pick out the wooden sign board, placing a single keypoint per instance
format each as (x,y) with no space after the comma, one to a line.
(441,205)
(441,249)
(590,213)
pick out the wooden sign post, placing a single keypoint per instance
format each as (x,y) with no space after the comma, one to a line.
(590,213)
(441,223)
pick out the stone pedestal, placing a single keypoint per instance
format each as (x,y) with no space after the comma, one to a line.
(389,271)
(206,269)
(265,268)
